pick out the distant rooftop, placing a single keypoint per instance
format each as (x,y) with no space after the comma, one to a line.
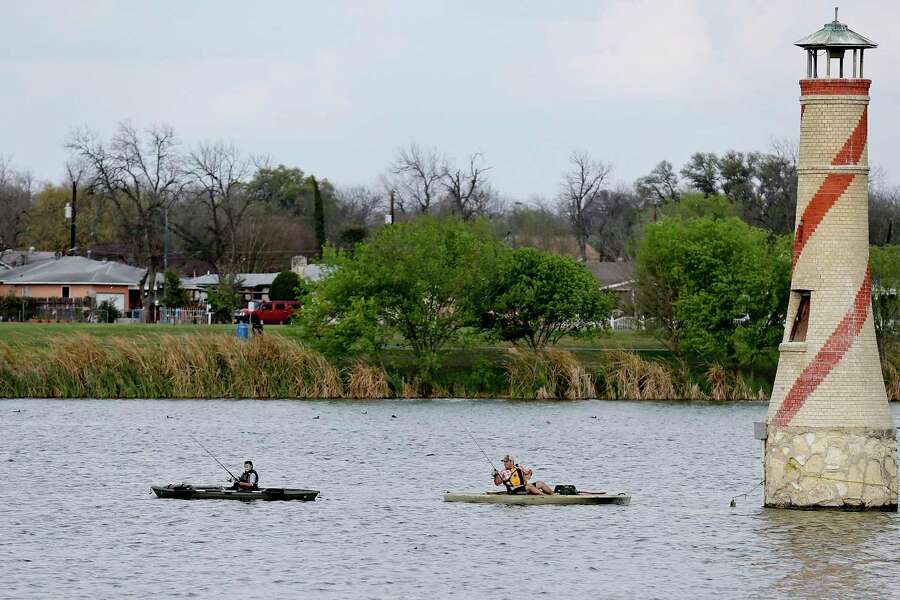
(250,280)
(67,270)
(10,259)
(612,274)
(253,280)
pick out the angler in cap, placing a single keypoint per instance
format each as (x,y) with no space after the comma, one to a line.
(249,479)
(517,478)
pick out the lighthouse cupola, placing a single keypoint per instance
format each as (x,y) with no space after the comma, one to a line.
(831,43)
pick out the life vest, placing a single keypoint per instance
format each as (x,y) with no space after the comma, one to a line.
(245,478)
(516,481)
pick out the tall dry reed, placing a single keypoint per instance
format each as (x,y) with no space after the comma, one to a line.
(629,376)
(890,367)
(548,374)
(365,380)
(203,366)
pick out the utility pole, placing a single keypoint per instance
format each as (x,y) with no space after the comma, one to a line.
(392,207)
(72,248)
(166,239)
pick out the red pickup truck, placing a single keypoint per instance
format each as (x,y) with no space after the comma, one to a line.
(269,313)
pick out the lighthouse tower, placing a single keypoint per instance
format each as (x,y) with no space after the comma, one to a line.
(830,439)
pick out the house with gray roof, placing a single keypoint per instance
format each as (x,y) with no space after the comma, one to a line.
(76,277)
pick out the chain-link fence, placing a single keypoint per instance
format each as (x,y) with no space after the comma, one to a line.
(72,310)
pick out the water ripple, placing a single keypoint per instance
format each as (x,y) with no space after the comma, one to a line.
(80,522)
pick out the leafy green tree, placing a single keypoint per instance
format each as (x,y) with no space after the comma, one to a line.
(419,280)
(303,289)
(763,186)
(717,287)
(702,172)
(886,296)
(540,297)
(225,298)
(289,189)
(47,229)
(660,185)
(284,286)
(696,205)
(350,236)
(174,295)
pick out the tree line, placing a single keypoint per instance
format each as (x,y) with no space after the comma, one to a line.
(141,192)
(144,195)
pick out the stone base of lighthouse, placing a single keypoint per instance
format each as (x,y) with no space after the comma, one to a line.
(847,468)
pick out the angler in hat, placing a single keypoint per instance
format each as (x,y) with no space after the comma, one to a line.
(517,478)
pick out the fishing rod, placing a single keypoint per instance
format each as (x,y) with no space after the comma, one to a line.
(480,448)
(213,457)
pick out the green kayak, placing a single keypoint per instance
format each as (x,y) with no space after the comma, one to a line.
(191,492)
(529,500)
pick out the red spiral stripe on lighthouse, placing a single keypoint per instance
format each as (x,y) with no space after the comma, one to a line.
(832,189)
(853,148)
(829,355)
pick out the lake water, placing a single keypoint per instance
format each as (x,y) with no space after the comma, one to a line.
(78,519)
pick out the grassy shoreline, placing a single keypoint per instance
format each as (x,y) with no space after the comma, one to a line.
(155,361)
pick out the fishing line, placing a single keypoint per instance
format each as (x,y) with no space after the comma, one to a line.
(213,457)
(487,458)
(732,504)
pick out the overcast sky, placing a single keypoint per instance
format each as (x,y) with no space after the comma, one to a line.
(336,87)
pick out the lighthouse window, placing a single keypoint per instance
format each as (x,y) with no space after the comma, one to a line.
(801,320)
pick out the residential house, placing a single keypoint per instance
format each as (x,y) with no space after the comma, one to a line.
(617,277)
(76,277)
(254,287)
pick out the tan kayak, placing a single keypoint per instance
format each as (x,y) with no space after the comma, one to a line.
(529,500)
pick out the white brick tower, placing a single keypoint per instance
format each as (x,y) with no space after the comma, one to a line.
(830,439)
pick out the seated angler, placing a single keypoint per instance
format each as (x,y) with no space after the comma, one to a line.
(249,479)
(516,478)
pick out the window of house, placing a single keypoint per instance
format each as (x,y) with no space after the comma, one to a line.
(26,291)
(65,291)
(801,320)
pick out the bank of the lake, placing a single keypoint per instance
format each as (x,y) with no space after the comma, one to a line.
(157,361)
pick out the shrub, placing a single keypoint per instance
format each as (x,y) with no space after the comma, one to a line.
(284,286)
(107,312)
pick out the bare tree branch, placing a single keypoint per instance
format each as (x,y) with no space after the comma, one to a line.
(142,176)
(416,176)
(469,192)
(580,189)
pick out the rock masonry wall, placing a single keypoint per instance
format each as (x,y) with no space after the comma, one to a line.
(850,469)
